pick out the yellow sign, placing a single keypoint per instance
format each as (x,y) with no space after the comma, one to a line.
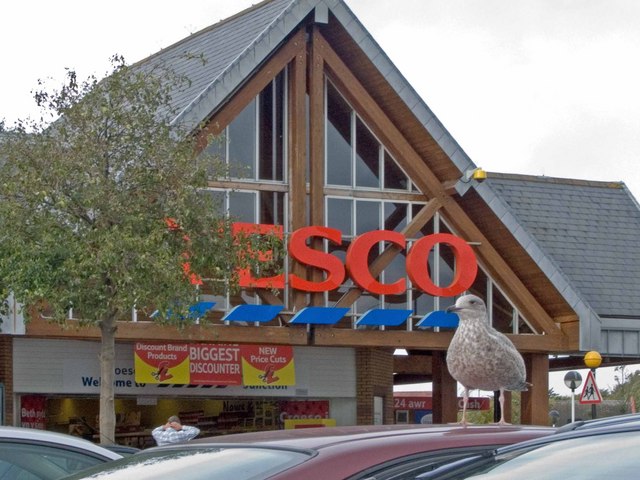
(309,423)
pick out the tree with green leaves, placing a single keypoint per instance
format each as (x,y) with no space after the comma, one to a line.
(104,208)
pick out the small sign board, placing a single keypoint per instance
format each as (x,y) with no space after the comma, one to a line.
(590,392)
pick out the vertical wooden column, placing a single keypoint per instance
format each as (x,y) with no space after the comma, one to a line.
(445,391)
(316,141)
(297,158)
(535,402)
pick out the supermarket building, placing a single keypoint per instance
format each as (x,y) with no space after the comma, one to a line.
(328,134)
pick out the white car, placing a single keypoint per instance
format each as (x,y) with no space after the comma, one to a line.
(31,454)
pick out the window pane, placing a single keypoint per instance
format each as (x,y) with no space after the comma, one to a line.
(502,313)
(339,214)
(394,177)
(367,157)
(242,143)
(265,157)
(422,302)
(396,269)
(479,286)
(447,265)
(428,228)
(242,206)
(367,216)
(338,139)
(216,201)
(272,208)
(279,136)
(395,216)
(217,148)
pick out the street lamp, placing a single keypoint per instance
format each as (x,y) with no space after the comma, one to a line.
(593,360)
(573,380)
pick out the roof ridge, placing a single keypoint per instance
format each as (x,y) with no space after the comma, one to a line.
(556,180)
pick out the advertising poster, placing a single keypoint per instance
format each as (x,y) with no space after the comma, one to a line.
(33,411)
(161,363)
(214,364)
(268,365)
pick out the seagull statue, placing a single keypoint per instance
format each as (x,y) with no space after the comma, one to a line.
(480,357)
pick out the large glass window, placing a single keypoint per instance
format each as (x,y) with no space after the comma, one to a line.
(242,143)
(354,156)
(338,151)
(367,157)
(253,144)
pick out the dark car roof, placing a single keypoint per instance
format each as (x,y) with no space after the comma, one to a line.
(351,449)
(328,453)
(318,438)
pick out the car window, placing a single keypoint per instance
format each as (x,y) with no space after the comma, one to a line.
(409,467)
(23,461)
(594,456)
(199,463)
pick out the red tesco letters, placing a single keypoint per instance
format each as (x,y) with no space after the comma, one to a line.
(356,264)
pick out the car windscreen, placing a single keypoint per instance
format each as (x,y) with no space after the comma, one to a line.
(26,460)
(199,463)
(611,455)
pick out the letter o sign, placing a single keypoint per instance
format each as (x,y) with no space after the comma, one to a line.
(465,260)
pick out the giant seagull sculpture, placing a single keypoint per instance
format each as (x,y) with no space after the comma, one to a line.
(480,357)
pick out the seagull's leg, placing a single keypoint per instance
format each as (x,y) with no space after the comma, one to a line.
(465,401)
(502,421)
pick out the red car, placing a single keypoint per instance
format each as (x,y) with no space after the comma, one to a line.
(357,452)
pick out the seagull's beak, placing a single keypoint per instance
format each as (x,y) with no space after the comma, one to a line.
(453,308)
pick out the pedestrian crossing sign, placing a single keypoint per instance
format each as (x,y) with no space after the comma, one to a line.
(590,392)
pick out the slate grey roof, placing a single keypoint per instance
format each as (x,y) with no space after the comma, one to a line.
(207,57)
(589,229)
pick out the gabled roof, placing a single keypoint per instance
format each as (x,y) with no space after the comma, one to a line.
(589,229)
(576,233)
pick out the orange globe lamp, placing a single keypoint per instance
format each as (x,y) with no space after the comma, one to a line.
(592,359)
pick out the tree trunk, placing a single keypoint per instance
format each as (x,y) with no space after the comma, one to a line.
(107,376)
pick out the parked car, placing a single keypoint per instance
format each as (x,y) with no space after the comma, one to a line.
(357,452)
(123,450)
(601,449)
(31,454)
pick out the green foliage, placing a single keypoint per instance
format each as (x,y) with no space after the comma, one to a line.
(627,385)
(85,192)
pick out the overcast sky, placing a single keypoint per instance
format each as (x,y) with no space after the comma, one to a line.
(545,87)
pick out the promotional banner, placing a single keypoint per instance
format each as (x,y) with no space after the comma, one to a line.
(268,365)
(33,411)
(161,363)
(214,364)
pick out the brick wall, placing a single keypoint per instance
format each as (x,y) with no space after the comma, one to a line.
(6,376)
(374,370)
